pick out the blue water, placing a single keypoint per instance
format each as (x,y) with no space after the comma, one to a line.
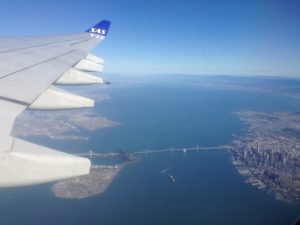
(159,112)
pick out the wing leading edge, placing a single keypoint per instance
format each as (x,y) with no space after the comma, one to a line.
(29,67)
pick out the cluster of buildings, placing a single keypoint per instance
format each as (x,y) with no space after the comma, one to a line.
(268,153)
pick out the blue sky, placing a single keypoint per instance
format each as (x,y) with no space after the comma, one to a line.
(245,37)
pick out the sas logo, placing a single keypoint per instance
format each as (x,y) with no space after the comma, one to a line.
(98,31)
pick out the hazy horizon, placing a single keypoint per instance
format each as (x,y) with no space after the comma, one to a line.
(208,37)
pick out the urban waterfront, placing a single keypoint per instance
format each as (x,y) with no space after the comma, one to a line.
(159,112)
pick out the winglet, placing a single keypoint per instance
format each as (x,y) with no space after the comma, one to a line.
(100,28)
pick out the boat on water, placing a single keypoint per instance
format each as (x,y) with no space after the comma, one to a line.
(165,170)
(172,178)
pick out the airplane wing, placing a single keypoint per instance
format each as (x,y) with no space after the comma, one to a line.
(30,68)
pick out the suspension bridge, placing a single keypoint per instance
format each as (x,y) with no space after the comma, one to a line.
(151,151)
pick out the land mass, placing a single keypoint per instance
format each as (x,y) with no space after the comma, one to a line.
(60,125)
(96,182)
(268,153)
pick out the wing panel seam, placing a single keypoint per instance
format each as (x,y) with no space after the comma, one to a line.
(14,101)
(28,67)
(42,45)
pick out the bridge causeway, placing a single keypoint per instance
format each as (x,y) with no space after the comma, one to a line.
(150,151)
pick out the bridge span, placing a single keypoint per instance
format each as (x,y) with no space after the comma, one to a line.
(150,151)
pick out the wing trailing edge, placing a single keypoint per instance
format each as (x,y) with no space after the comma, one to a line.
(58,99)
(29,164)
(95,59)
(77,77)
(89,66)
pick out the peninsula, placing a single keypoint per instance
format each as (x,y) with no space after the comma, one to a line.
(268,153)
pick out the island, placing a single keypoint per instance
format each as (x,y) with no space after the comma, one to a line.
(99,178)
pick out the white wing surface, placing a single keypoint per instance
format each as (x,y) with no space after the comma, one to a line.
(29,66)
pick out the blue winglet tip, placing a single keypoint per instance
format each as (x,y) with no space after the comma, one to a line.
(100,28)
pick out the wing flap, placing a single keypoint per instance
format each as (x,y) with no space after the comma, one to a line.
(58,99)
(8,113)
(94,58)
(29,164)
(89,65)
(77,77)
